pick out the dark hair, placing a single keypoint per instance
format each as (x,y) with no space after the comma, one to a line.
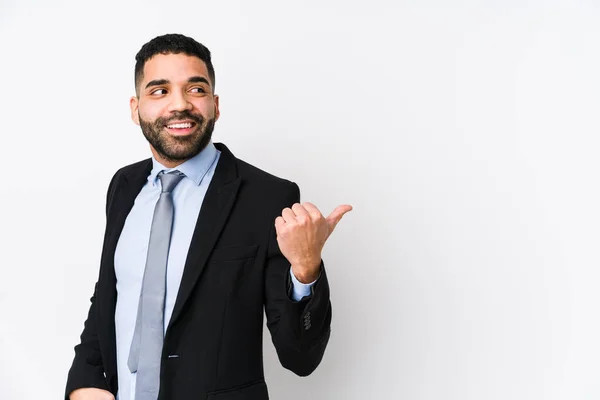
(172,43)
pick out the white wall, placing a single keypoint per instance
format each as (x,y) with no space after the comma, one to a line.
(464,133)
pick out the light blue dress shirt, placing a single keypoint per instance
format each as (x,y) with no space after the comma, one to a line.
(132,248)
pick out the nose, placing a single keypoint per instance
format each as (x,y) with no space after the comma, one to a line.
(179,102)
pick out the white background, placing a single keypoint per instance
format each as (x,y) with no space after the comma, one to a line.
(464,133)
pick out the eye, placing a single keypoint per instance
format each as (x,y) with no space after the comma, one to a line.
(158,92)
(198,90)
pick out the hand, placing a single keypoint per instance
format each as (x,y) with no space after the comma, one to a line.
(301,234)
(91,394)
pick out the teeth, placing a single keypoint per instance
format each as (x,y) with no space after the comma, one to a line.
(180,126)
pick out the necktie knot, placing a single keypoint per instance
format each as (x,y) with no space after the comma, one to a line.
(169,180)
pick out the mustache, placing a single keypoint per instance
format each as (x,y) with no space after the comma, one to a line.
(197,118)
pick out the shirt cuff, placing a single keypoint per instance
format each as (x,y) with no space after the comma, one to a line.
(299,289)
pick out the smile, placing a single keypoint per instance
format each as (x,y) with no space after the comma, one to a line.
(181,125)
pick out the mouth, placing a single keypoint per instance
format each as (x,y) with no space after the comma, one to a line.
(180,128)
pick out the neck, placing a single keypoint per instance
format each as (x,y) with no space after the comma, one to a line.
(167,162)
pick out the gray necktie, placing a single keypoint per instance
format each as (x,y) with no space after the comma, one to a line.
(146,346)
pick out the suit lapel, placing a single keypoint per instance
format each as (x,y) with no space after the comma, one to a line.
(217,205)
(126,188)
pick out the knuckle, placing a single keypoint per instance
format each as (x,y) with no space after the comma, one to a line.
(303,219)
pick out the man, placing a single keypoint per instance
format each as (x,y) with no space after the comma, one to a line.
(197,242)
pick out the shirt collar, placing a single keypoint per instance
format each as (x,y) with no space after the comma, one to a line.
(195,168)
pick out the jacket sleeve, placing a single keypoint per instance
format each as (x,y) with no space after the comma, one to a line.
(87,370)
(299,330)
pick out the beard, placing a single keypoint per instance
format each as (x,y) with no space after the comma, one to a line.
(174,148)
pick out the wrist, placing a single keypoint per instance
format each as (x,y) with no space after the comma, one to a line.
(306,275)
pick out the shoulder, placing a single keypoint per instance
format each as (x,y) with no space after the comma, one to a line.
(256,175)
(136,169)
(133,168)
(266,185)
(250,174)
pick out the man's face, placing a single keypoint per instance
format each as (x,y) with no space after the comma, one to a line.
(176,108)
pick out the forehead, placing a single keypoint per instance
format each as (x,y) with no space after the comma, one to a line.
(174,67)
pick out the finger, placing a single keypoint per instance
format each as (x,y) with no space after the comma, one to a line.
(299,209)
(312,209)
(336,215)
(288,215)
(279,222)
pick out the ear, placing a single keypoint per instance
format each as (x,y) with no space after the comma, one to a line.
(217,112)
(134,105)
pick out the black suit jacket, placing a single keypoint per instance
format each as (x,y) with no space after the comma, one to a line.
(233,269)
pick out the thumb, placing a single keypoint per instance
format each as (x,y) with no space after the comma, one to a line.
(336,215)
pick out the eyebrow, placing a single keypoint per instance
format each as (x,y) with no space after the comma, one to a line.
(198,79)
(193,79)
